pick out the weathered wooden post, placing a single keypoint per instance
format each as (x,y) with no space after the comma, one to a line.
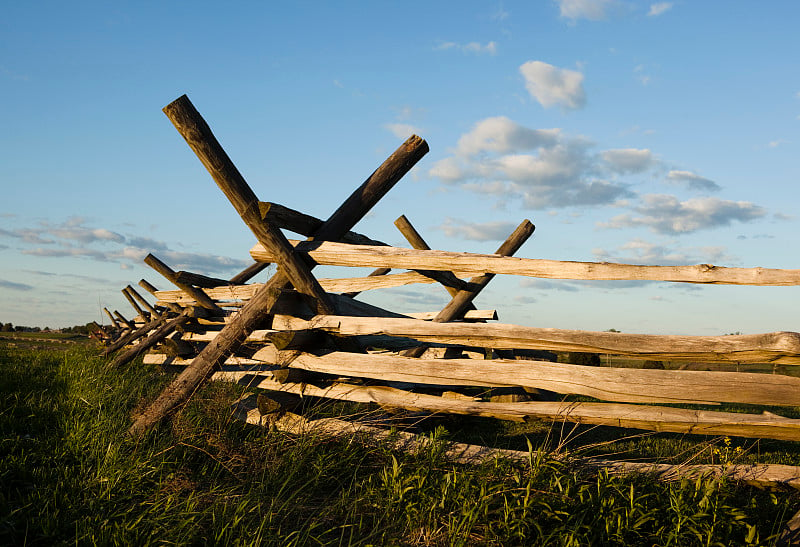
(113,319)
(460,302)
(121,317)
(146,285)
(134,334)
(200,280)
(145,317)
(165,328)
(200,138)
(153,312)
(248,273)
(411,234)
(200,297)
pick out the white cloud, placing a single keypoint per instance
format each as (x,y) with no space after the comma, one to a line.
(477,231)
(658,8)
(500,134)
(639,251)
(667,215)
(470,47)
(539,167)
(594,10)
(553,86)
(692,181)
(628,160)
(402,130)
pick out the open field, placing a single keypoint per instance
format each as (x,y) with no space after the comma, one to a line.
(69,475)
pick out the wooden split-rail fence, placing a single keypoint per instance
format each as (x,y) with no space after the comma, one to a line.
(302,335)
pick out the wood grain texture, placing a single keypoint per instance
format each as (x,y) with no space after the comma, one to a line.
(775,347)
(652,418)
(341,285)
(114,322)
(462,301)
(149,341)
(122,318)
(129,297)
(342,254)
(306,225)
(146,285)
(135,334)
(197,294)
(134,293)
(248,273)
(604,383)
(199,280)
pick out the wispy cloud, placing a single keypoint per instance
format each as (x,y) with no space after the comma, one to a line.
(501,14)
(639,251)
(477,231)
(470,47)
(628,160)
(15,286)
(659,8)
(554,86)
(73,238)
(11,75)
(666,214)
(641,74)
(594,10)
(402,130)
(692,181)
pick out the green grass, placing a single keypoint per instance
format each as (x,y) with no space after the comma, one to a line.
(68,475)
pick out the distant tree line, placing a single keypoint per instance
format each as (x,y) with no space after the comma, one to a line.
(77,329)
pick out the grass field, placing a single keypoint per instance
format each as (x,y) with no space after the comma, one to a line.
(68,475)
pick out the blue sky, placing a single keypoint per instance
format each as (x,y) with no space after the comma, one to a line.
(641,132)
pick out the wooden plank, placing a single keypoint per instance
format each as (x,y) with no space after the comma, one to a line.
(199,280)
(197,294)
(134,293)
(248,273)
(306,225)
(609,384)
(462,301)
(134,304)
(114,322)
(342,285)
(759,475)
(605,383)
(198,135)
(135,334)
(450,282)
(121,317)
(298,222)
(775,347)
(651,418)
(342,254)
(151,340)
(471,315)
(146,285)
